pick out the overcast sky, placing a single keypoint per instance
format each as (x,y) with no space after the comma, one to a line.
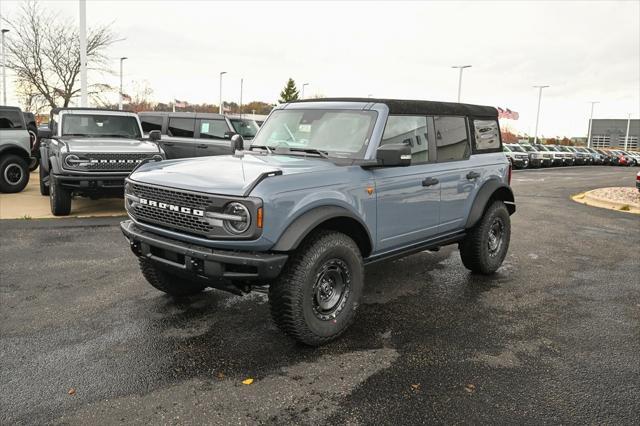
(584,50)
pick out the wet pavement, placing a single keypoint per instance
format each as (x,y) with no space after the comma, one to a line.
(553,337)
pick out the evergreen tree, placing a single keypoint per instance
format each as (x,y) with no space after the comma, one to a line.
(289,93)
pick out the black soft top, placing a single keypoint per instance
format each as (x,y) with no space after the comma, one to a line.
(403,106)
(58,109)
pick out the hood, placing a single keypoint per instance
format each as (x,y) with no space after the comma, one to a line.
(110,145)
(224,174)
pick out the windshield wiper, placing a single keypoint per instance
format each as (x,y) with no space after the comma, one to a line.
(116,136)
(261,147)
(323,154)
(76,134)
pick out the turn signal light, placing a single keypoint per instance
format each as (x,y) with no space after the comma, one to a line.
(259,218)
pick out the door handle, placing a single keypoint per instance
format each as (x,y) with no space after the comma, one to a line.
(430,181)
(202,145)
(473,175)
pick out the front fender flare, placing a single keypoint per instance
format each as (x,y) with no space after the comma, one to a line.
(484,195)
(291,238)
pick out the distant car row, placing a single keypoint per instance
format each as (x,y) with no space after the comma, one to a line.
(524,156)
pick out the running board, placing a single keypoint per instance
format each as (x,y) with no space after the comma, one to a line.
(415,248)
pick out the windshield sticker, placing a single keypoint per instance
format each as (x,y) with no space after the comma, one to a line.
(204,128)
(304,128)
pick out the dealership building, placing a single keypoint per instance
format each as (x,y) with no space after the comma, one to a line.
(610,133)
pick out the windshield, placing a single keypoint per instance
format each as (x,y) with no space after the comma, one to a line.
(528,148)
(100,126)
(337,133)
(516,148)
(246,128)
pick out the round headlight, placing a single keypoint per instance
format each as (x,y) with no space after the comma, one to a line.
(241,219)
(71,160)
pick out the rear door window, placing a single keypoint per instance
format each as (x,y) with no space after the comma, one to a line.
(181,127)
(212,129)
(151,122)
(452,141)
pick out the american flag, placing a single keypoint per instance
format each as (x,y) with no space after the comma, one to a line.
(507,114)
(180,104)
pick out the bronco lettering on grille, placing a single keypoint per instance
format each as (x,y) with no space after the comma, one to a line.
(171,207)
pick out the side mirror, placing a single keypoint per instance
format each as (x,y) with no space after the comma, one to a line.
(229,135)
(44,133)
(393,155)
(237,143)
(155,135)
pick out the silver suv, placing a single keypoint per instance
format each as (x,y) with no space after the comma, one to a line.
(15,150)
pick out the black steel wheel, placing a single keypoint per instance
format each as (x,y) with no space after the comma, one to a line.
(14,174)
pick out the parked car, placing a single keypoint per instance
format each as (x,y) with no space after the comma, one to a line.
(609,158)
(570,157)
(187,134)
(634,158)
(582,157)
(89,153)
(557,157)
(517,155)
(620,158)
(327,187)
(638,181)
(597,157)
(537,158)
(15,150)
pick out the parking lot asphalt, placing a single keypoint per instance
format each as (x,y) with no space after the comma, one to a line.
(553,337)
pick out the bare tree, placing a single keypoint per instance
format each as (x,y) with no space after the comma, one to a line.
(44,53)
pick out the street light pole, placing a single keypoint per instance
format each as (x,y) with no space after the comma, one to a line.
(83,53)
(304,84)
(241,84)
(460,67)
(626,138)
(4,70)
(220,108)
(120,103)
(590,123)
(535,135)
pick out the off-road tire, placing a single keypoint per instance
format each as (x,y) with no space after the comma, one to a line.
(475,250)
(295,307)
(14,173)
(59,198)
(167,282)
(44,186)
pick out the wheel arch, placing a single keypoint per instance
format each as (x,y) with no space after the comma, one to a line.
(491,191)
(325,217)
(15,150)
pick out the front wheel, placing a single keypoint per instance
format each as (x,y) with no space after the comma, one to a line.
(486,244)
(44,181)
(59,198)
(314,300)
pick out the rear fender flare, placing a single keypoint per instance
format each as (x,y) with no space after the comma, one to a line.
(493,189)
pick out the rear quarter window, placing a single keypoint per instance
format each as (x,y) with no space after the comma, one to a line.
(11,120)
(487,135)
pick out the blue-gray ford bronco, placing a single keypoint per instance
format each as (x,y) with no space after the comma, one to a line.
(327,187)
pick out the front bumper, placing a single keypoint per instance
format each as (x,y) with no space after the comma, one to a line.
(200,261)
(91,183)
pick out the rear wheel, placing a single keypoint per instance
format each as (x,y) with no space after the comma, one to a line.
(14,173)
(314,300)
(485,246)
(59,198)
(168,282)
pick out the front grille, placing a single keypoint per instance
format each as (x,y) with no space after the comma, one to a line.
(168,218)
(111,162)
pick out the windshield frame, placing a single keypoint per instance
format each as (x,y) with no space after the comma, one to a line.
(88,113)
(361,154)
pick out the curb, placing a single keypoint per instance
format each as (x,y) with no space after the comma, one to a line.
(587,198)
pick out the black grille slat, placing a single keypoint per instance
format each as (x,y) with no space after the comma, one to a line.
(168,218)
(122,162)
